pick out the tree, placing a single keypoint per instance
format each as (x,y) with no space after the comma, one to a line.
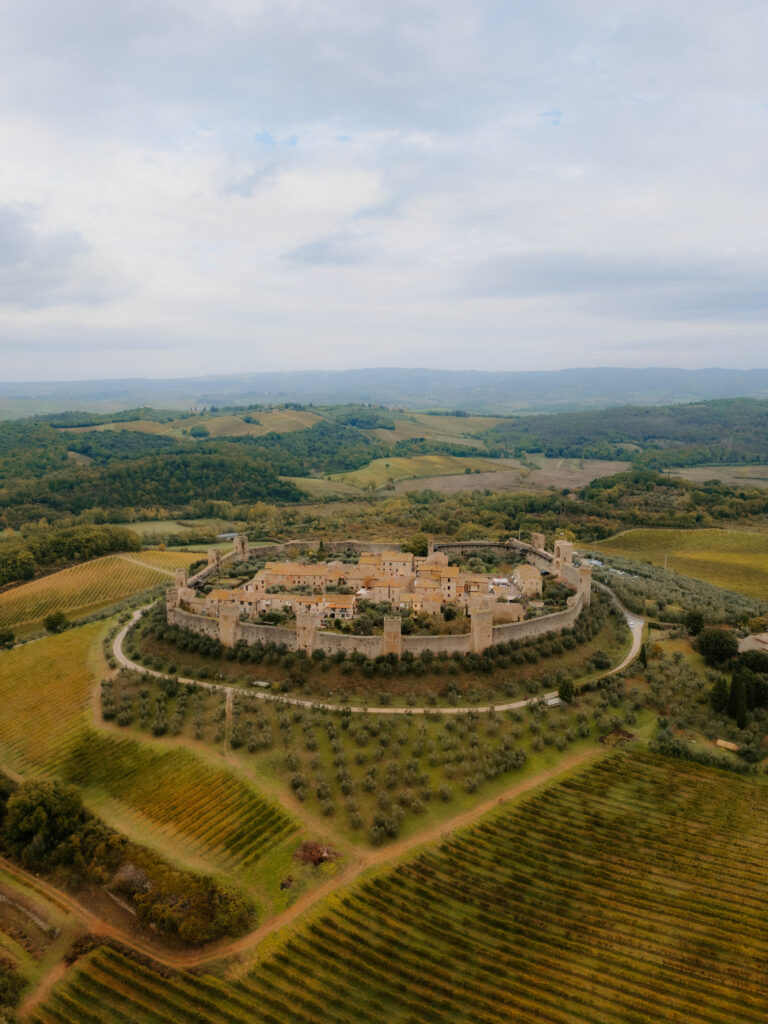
(566,691)
(718,696)
(717,645)
(7,637)
(418,545)
(740,684)
(55,622)
(41,821)
(694,622)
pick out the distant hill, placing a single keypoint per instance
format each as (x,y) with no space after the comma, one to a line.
(471,390)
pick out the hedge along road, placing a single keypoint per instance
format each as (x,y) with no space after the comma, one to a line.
(635,622)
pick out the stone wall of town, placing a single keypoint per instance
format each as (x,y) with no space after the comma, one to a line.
(308,635)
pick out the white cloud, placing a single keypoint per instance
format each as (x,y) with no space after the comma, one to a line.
(293,183)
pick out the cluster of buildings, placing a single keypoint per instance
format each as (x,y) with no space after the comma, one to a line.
(407,583)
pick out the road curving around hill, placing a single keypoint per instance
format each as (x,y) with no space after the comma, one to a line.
(635,622)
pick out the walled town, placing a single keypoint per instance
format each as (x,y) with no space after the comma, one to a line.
(323,593)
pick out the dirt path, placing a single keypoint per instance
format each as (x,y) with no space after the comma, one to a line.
(364,861)
(147,565)
(43,989)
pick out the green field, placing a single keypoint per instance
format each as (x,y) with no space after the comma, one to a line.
(189,805)
(630,891)
(382,471)
(727,558)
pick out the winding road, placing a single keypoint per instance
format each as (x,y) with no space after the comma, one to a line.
(635,623)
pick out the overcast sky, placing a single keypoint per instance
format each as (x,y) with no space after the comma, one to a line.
(203,186)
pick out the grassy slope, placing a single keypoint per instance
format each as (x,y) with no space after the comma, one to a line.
(87,587)
(612,897)
(728,558)
(380,471)
(191,806)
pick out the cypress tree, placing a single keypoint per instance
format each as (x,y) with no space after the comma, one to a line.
(741,702)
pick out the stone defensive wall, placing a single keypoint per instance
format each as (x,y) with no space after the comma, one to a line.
(308,636)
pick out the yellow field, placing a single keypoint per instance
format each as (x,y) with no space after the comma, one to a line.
(727,558)
(86,588)
(319,487)
(380,471)
(736,476)
(165,561)
(44,687)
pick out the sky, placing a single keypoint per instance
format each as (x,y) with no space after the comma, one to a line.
(215,186)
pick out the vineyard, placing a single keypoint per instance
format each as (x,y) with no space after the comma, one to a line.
(88,587)
(183,803)
(208,809)
(44,687)
(631,891)
(726,558)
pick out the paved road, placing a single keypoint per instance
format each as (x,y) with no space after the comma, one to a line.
(635,623)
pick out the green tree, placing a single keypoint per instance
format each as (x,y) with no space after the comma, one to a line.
(41,822)
(718,696)
(694,622)
(7,638)
(566,691)
(717,645)
(418,545)
(55,622)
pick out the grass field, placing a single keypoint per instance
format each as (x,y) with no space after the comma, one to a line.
(379,472)
(630,891)
(319,487)
(728,558)
(734,476)
(88,587)
(536,474)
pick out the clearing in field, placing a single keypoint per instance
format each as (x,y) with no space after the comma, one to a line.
(734,476)
(380,472)
(610,897)
(319,487)
(728,558)
(88,587)
(536,473)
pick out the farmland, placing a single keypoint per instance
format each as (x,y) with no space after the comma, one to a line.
(87,587)
(753,475)
(537,473)
(726,558)
(44,689)
(206,809)
(610,897)
(175,799)
(383,471)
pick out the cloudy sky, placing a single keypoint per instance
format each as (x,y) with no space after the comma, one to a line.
(202,186)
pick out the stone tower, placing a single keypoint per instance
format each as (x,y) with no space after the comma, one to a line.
(180,578)
(214,556)
(538,542)
(307,627)
(241,548)
(393,639)
(563,555)
(228,617)
(585,582)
